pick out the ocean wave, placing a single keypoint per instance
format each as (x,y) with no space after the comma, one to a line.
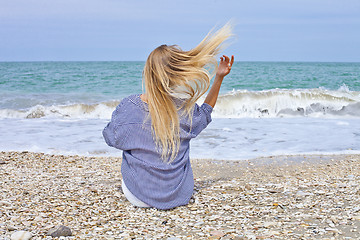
(319,103)
(275,103)
(84,111)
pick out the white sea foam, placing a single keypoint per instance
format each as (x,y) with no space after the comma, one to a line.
(73,111)
(275,103)
(233,139)
(318,103)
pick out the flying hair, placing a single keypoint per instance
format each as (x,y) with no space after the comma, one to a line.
(172,75)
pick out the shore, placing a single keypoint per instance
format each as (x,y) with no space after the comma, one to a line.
(285,197)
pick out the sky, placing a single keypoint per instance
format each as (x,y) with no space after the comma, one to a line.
(117,30)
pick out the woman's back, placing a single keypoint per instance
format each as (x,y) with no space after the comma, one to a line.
(167,184)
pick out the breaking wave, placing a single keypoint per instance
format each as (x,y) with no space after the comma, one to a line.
(275,103)
(83,111)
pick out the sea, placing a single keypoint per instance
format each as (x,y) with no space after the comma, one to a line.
(264,108)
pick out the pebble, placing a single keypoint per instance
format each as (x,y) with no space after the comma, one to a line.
(269,224)
(217,233)
(274,233)
(228,231)
(5,203)
(302,194)
(356,209)
(320,192)
(38,219)
(21,235)
(232,200)
(334,230)
(59,231)
(11,228)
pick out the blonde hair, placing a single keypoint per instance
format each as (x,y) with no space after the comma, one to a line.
(171,73)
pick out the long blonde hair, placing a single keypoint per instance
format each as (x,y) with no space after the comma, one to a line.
(172,73)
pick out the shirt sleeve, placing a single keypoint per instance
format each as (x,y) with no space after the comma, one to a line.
(115,132)
(201,118)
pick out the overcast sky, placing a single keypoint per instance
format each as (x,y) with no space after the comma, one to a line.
(266,30)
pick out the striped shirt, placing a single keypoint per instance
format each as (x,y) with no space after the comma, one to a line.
(158,184)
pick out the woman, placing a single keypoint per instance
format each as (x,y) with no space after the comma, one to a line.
(154,129)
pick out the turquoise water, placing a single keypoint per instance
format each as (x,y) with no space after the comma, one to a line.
(265,108)
(91,82)
(78,81)
(258,76)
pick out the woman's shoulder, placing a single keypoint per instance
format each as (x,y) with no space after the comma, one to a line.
(130,110)
(133,101)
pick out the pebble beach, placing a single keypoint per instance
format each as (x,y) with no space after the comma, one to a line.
(285,197)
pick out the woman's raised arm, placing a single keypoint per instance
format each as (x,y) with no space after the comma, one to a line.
(223,70)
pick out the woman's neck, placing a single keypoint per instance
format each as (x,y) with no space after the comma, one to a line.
(143,97)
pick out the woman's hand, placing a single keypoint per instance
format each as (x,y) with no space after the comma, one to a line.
(225,65)
(223,70)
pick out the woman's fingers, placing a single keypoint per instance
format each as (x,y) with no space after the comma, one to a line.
(227,61)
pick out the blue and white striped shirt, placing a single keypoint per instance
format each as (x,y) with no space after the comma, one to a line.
(158,184)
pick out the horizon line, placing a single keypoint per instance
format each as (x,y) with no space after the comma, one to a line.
(269,61)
